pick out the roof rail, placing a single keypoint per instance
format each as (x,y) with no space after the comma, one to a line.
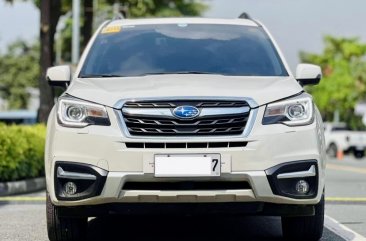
(120,12)
(245,15)
(118,16)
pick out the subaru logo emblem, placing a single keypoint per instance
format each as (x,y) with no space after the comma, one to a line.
(186,112)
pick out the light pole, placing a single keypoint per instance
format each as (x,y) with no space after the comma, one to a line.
(75,31)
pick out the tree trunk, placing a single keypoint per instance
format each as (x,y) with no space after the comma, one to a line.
(87,29)
(50,14)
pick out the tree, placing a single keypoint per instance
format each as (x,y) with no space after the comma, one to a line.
(87,29)
(162,8)
(51,10)
(50,14)
(344,82)
(18,72)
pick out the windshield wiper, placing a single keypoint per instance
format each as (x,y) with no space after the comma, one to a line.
(146,74)
(101,76)
(179,72)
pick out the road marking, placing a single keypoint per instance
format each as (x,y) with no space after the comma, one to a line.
(341,230)
(26,199)
(345,199)
(346,168)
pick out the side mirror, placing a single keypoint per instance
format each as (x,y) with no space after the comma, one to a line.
(59,75)
(308,74)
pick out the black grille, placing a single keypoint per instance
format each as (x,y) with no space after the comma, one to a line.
(185,186)
(142,125)
(189,145)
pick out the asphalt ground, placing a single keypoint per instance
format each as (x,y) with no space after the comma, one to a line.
(23,217)
(346,192)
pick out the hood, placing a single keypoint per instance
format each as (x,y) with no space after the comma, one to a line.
(108,91)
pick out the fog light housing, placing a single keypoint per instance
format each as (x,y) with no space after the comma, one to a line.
(70,188)
(77,181)
(302,187)
(298,179)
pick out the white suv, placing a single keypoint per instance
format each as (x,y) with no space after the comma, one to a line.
(184,115)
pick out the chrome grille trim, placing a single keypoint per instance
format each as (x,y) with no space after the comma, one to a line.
(147,121)
(250,122)
(119,104)
(168,113)
(199,104)
(173,122)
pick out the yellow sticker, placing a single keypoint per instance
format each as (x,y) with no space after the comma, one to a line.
(111,29)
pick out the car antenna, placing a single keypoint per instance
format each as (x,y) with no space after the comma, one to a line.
(245,15)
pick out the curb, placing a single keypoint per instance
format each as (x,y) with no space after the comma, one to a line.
(341,230)
(21,187)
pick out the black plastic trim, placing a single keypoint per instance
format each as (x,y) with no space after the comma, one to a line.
(314,81)
(248,208)
(62,84)
(187,185)
(185,145)
(91,188)
(294,166)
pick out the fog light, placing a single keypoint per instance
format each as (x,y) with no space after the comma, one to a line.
(302,187)
(70,188)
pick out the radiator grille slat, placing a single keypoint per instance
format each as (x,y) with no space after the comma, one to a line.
(228,124)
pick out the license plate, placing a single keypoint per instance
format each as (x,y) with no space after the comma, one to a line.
(198,165)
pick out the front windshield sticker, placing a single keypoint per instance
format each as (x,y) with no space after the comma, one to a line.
(111,29)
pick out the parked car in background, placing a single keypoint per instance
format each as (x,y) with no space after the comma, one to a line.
(339,137)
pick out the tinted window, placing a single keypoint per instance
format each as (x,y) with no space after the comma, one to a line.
(170,48)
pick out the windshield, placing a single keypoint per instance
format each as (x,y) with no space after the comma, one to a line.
(233,50)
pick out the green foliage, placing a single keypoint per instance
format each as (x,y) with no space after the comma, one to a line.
(162,8)
(21,152)
(19,69)
(344,81)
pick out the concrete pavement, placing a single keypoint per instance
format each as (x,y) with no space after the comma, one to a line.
(346,192)
(24,221)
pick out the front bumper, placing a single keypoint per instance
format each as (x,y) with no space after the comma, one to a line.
(232,208)
(105,147)
(115,190)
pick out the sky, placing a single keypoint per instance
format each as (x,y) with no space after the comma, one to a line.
(297,25)
(18,21)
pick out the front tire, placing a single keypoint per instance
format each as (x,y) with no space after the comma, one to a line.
(309,228)
(64,229)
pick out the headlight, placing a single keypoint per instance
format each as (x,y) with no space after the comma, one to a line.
(78,113)
(292,112)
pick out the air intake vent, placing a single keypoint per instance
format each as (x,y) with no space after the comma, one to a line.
(184,145)
(185,186)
